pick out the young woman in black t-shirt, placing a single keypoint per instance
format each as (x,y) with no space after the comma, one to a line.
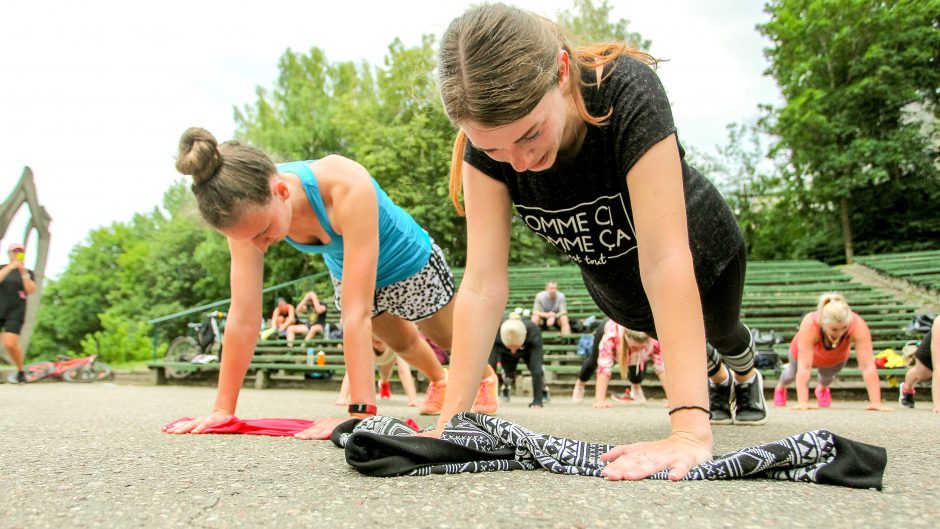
(582,143)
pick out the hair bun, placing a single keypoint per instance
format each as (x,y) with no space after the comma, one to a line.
(198,155)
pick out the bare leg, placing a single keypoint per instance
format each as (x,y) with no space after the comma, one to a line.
(408,383)
(402,337)
(440,328)
(343,398)
(564,325)
(12,344)
(314,330)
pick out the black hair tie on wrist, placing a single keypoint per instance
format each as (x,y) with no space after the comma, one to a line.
(677,408)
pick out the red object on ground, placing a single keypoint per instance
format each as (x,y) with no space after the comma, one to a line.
(276,427)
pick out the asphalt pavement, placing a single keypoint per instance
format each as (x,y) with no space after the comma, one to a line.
(93,455)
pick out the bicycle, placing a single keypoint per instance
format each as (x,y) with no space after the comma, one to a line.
(205,347)
(83,370)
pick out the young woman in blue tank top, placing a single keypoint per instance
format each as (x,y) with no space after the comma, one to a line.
(396,274)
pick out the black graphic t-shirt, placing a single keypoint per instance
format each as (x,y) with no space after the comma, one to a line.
(582,206)
(12,293)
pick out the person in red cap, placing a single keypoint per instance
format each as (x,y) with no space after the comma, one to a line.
(16,282)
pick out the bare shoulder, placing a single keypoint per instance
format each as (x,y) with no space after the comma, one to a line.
(338,166)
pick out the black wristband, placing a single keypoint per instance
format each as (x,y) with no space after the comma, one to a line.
(677,408)
(367,409)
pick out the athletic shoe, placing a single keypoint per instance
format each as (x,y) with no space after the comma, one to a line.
(749,406)
(434,399)
(719,402)
(578,394)
(505,392)
(385,390)
(546,395)
(780,396)
(623,398)
(21,379)
(485,401)
(904,397)
(823,396)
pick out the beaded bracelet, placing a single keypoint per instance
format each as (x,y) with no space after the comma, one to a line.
(677,408)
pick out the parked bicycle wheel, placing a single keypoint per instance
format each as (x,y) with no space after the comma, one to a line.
(33,372)
(182,349)
(89,373)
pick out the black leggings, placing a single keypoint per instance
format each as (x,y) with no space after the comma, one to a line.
(721,306)
(510,363)
(589,366)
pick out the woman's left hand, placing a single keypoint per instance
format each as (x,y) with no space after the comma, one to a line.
(877,407)
(678,453)
(321,429)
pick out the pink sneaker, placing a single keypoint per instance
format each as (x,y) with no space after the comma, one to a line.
(434,399)
(823,396)
(780,397)
(486,401)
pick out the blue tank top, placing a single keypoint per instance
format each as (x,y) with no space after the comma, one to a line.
(404,248)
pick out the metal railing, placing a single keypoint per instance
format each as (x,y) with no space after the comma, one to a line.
(313,278)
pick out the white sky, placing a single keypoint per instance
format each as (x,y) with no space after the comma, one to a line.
(94,94)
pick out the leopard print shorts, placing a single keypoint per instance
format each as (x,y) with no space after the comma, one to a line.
(417,297)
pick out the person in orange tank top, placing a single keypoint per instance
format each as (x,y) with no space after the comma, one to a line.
(823,342)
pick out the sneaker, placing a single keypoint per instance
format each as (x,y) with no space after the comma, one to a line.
(485,401)
(434,399)
(385,390)
(623,398)
(546,395)
(823,396)
(578,394)
(749,405)
(504,394)
(780,396)
(719,402)
(21,379)
(904,397)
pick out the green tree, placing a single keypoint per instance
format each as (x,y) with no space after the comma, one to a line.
(588,22)
(852,72)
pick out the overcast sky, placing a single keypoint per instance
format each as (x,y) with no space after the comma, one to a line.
(95,94)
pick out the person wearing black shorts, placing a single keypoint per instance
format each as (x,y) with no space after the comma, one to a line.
(926,355)
(16,282)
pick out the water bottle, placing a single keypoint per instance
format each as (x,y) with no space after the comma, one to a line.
(321,358)
(310,356)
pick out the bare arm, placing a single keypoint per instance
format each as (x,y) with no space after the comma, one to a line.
(241,327)
(668,276)
(355,209)
(861,339)
(666,270)
(805,343)
(484,289)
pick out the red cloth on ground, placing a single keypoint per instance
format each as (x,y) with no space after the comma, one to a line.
(276,427)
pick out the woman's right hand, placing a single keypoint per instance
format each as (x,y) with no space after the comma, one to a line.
(199,424)
(803,407)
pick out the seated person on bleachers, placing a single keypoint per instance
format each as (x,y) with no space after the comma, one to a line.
(311,313)
(284,321)
(518,339)
(926,356)
(385,360)
(550,309)
(823,343)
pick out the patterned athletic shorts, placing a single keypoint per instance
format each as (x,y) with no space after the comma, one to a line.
(417,297)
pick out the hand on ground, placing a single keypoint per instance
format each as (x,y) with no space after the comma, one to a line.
(678,453)
(602,404)
(536,405)
(877,407)
(342,401)
(199,424)
(436,433)
(321,429)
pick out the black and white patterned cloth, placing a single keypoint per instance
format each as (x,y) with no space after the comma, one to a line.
(385,446)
